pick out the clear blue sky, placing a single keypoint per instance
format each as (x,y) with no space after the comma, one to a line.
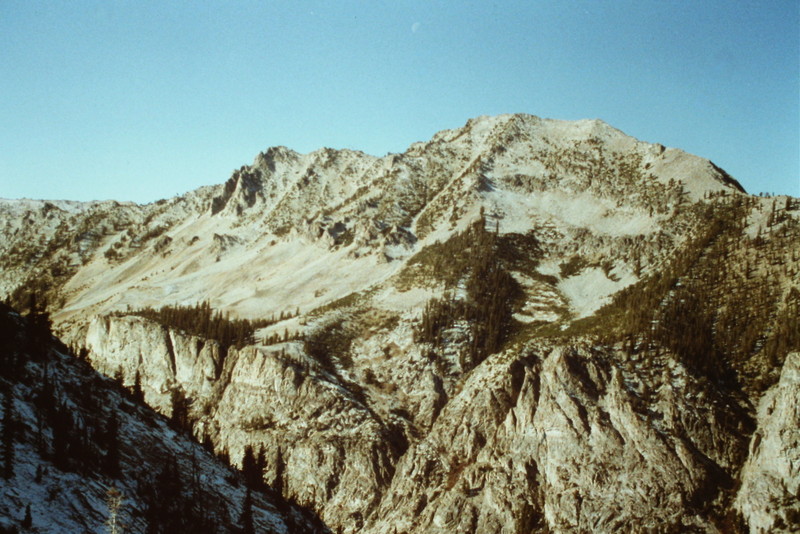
(140,100)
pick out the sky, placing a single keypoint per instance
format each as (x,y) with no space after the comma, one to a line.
(142,100)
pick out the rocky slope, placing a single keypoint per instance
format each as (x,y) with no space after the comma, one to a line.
(770,481)
(81,454)
(521,324)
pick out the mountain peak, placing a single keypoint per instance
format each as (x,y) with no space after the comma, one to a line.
(526,173)
(485,332)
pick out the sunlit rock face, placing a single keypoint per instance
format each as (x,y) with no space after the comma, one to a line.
(768,496)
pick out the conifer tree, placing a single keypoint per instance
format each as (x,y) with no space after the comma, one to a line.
(111,442)
(136,392)
(38,329)
(246,519)
(252,476)
(224,456)
(9,361)
(180,410)
(280,468)
(62,425)
(165,509)
(27,521)
(114,503)
(8,433)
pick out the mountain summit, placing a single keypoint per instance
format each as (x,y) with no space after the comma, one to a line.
(525,173)
(522,324)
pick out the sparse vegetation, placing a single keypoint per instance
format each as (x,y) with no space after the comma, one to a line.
(719,304)
(572,266)
(200,320)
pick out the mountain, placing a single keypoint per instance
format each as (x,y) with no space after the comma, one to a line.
(521,324)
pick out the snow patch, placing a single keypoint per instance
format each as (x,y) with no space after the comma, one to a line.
(591,289)
(518,213)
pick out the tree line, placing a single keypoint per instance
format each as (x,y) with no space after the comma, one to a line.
(487,307)
(202,321)
(721,300)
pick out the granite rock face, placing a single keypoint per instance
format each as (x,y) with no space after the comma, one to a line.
(770,493)
(333,452)
(163,358)
(561,439)
(573,437)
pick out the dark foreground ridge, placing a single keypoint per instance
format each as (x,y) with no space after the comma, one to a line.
(80,453)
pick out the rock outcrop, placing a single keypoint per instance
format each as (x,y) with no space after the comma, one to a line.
(769,497)
(563,440)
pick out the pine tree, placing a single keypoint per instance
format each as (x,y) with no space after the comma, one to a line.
(224,456)
(250,468)
(246,519)
(180,410)
(62,425)
(9,359)
(261,465)
(136,392)
(8,433)
(119,376)
(280,468)
(114,502)
(27,521)
(38,329)
(111,442)
(165,506)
